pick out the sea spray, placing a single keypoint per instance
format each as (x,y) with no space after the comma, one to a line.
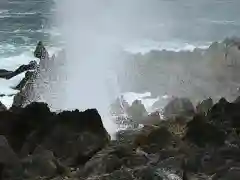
(94,32)
(91,47)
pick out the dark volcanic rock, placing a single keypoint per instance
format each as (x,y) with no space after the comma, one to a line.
(75,134)
(225,115)
(75,145)
(10,74)
(4,73)
(39,164)
(72,135)
(18,123)
(31,66)
(203,133)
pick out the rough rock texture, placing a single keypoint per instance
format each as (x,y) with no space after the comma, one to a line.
(25,67)
(72,136)
(178,107)
(136,110)
(40,144)
(28,76)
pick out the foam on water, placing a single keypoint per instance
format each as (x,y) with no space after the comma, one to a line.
(145,98)
(11,64)
(146,46)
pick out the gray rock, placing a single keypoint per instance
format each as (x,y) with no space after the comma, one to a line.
(40,164)
(137,110)
(178,107)
(204,106)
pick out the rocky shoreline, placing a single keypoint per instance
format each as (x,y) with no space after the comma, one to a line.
(190,143)
(201,144)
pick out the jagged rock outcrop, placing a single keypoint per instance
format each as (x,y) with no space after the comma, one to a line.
(72,136)
(178,107)
(10,74)
(203,133)
(137,110)
(27,85)
(75,145)
(204,106)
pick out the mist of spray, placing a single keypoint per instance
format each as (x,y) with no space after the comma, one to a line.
(93,34)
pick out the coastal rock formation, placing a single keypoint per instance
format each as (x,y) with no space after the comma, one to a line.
(204,106)
(137,110)
(10,74)
(28,76)
(72,136)
(178,107)
(189,143)
(74,145)
(27,86)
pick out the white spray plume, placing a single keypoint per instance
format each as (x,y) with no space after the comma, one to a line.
(93,31)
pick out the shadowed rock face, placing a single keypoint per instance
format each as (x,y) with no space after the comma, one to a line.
(44,143)
(37,125)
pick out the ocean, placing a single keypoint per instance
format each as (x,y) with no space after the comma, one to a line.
(23,24)
(166,24)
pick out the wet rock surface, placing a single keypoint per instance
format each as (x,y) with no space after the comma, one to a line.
(40,144)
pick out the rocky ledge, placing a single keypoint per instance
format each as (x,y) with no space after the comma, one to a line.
(39,144)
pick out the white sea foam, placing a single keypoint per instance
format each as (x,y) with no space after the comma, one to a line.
(146,46)
(12,63)
(145,98)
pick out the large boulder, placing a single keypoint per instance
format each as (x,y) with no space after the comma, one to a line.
(178,107)
(72,136)
(202,133)
(225,115)
(154,139)
(17,123)
(41,163)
